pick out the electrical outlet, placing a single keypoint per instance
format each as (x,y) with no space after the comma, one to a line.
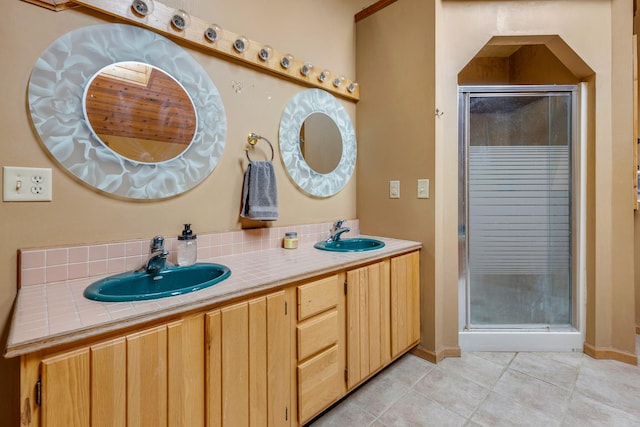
(26,184)
(423,189)
(394,189)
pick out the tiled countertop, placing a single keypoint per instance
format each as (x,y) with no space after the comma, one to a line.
(57,313)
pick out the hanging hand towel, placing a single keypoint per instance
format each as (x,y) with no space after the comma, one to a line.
(259,192)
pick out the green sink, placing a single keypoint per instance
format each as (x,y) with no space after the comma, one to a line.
(136,286)
(356,244)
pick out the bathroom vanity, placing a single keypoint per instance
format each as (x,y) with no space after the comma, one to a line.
(275,350)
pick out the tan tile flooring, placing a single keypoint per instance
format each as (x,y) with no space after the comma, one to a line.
(495,389)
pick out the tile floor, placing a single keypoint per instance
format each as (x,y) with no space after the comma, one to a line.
(495,389)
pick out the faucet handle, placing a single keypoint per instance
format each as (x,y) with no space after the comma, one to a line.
(157,243)
(338,223)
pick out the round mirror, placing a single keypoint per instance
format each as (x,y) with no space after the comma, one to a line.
(320,143)
(65,72)
(309,171)
(140,112)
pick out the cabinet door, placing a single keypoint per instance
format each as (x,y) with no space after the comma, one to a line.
(65,390)
(248,369)
(405,302)
(186,392)
(368,321)
(109,384)
(147,378)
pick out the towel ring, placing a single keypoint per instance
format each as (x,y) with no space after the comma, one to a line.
(253,140)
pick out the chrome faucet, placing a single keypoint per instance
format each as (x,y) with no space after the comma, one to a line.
(157,256)
(336,231)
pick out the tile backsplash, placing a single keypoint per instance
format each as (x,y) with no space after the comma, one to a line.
(51,265)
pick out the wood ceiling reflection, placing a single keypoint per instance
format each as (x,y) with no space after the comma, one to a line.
(160,111)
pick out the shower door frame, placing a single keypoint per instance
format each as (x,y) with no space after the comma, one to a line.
(521,338)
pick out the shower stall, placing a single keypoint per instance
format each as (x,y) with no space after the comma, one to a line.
(519,221)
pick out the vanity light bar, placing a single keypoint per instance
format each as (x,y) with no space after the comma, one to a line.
(170,22)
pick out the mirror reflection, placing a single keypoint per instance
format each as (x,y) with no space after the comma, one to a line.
(320,143)
(140,112)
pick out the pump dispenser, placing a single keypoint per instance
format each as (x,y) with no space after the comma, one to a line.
(187,247)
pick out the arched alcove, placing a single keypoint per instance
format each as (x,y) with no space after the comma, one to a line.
(525,60)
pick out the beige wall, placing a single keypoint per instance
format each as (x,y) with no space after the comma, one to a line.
(407,141)
(322,32)
(464,27)
(396,140)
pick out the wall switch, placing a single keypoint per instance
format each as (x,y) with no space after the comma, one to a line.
(423,189)
(26,184)
(394,189)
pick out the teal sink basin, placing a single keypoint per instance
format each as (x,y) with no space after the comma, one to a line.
(357,244)
(138,285)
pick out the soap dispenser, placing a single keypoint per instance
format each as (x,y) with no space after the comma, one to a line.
(187,247)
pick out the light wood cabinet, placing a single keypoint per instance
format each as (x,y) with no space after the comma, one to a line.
(147,377)
(405,302)
(67,383)
(248,365)
(277,359)
(320,345)
(227,367)
(368,321)
(109,383)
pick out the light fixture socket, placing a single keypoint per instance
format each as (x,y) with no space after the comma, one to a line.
(142,7)
(286,61)
(338,81)
(352,87)
(180,20)
(213,33)
(324,75)
(241,44)
(265,53)
(306,69)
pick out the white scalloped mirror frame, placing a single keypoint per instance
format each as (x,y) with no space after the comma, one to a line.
(297,110)
(55,97)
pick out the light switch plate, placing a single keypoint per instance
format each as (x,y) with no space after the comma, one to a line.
(394,189)
(26,184)
(423,189)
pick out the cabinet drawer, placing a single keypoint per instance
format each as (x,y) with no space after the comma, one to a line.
(318,383)
(316,297)
(317,333)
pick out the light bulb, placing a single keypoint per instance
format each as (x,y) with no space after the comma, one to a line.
(286,61)
(337,82)
(180,19)
(324,75)
(213,33)
(142,7)
(265,53)
(306,69)
(241,44)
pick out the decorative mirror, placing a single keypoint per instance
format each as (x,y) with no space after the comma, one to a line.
(317,143)
(157,151)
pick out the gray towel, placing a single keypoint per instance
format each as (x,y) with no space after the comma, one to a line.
(259,192)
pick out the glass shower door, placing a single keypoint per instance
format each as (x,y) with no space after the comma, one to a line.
(518,212)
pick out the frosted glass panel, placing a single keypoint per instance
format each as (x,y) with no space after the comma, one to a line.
(519,211)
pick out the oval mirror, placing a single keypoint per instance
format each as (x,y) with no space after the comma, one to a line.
(140,112)
(64,75)
(310,172)
(320,143)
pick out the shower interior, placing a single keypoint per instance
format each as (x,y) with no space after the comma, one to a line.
(517,209)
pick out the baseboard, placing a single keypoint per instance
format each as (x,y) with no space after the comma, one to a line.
(637,329)
(433,356)
(610,353)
